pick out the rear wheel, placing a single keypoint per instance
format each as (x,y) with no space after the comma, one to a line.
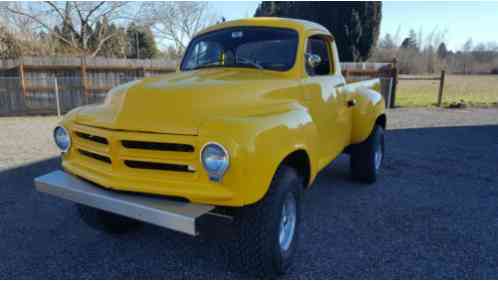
(368,156)
(268,231)
(105,221)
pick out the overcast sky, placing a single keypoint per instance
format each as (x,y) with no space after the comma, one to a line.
(459,21)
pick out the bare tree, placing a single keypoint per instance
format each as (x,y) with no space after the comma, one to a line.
(176,21)
(467,56)
(22,27)
(71,23)
(9,47)
(430,45)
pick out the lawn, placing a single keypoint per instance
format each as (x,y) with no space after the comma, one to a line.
(474,90)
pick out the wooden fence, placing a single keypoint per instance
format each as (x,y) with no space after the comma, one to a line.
(28,86)
(387,72)
(440,78)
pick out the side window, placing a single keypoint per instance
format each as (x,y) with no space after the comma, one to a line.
(319,46)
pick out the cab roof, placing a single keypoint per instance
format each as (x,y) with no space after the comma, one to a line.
(296,24)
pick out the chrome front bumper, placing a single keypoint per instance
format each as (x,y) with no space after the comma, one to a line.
(179,216)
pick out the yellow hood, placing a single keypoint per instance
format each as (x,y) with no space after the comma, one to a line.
(178,103)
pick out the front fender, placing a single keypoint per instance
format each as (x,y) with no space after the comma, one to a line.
(258,144)
(370,105)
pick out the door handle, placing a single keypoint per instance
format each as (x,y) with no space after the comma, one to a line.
(351,103)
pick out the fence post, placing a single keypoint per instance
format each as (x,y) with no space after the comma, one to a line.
(346,75)
(22,105)
(394,74)
(22,78)
(441,88)
(57,100)
(390,92)
(83,78)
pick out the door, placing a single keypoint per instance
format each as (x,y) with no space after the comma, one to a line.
(325,98)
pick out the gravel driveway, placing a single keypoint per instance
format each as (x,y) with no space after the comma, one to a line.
(432,214)
(26,139)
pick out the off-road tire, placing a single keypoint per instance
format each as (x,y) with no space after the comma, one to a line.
(105,221)
(363,167)
(256,250)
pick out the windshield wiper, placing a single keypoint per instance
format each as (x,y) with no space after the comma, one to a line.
(250,62)
(207,64)
(242,60)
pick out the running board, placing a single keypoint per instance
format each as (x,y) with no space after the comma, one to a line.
(179,216)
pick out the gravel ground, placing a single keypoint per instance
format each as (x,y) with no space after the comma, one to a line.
(402,118)
(432,214)
(26,139)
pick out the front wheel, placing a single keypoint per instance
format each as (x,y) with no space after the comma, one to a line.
(268,231)
(368,156)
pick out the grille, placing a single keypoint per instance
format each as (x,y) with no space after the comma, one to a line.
(93,138)
(123,151)
(95,156)
(157,166)
(158,146)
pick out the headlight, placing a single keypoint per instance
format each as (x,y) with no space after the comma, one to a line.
(215,160)
(62,139)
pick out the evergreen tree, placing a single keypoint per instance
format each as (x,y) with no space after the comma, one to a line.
(355,25)
(141,43)
(410,42)
(387,42)
(115,46)
(442,51)
(64,30)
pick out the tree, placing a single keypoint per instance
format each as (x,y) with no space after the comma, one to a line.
(467,46)
(172,53)
(355,25)
(116,46)
(483,53)
(442,51)
(176,21)
(467,56)
(141,43)
(71,23)
(9,46)
(411,41)
(387,42)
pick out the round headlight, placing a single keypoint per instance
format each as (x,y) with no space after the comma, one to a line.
(215,160)
(62,139)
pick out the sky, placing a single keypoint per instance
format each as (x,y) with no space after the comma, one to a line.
(458,21)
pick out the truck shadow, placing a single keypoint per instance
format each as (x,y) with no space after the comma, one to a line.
(436,195)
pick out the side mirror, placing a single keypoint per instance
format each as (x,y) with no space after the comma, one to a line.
(313,60)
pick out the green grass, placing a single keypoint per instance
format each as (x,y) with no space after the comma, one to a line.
(474,90)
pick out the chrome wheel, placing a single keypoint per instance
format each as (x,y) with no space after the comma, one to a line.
(378,156)
(287,222)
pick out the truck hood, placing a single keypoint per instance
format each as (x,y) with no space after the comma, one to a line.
(178,103)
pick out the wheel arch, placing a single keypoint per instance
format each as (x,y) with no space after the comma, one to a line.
(300,161)
(381,120)
(369,111)
(266,143)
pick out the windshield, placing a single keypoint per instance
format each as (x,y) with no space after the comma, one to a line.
(253,47)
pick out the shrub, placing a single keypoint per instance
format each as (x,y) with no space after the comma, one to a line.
(9,46)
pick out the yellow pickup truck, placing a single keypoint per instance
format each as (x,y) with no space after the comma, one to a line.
(256,109)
